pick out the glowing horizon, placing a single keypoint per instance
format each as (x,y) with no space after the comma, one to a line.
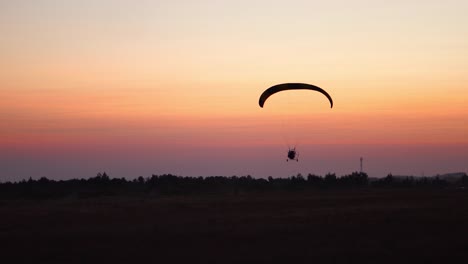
(85,83)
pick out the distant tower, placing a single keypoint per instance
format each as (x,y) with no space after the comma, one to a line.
(361,164)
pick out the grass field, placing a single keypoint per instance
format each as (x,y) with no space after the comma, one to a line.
(332,226)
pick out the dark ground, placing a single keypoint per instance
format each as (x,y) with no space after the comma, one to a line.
(332,226)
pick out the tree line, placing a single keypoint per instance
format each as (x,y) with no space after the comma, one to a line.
(168,184)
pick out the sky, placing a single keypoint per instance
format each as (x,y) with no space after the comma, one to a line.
(136,88)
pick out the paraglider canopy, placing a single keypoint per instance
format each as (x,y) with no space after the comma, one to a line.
(291,86)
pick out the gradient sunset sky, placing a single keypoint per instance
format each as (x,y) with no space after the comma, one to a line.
(136,88)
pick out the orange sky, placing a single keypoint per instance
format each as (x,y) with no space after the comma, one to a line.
(124,75)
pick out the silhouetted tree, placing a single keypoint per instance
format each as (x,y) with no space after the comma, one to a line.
(169,184)
(464,180)
(330,179)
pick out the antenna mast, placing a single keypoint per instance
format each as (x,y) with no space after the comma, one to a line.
(361,163)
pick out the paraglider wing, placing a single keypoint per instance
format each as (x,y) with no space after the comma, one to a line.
(291,86)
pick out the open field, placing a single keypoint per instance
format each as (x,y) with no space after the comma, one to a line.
(333,226)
